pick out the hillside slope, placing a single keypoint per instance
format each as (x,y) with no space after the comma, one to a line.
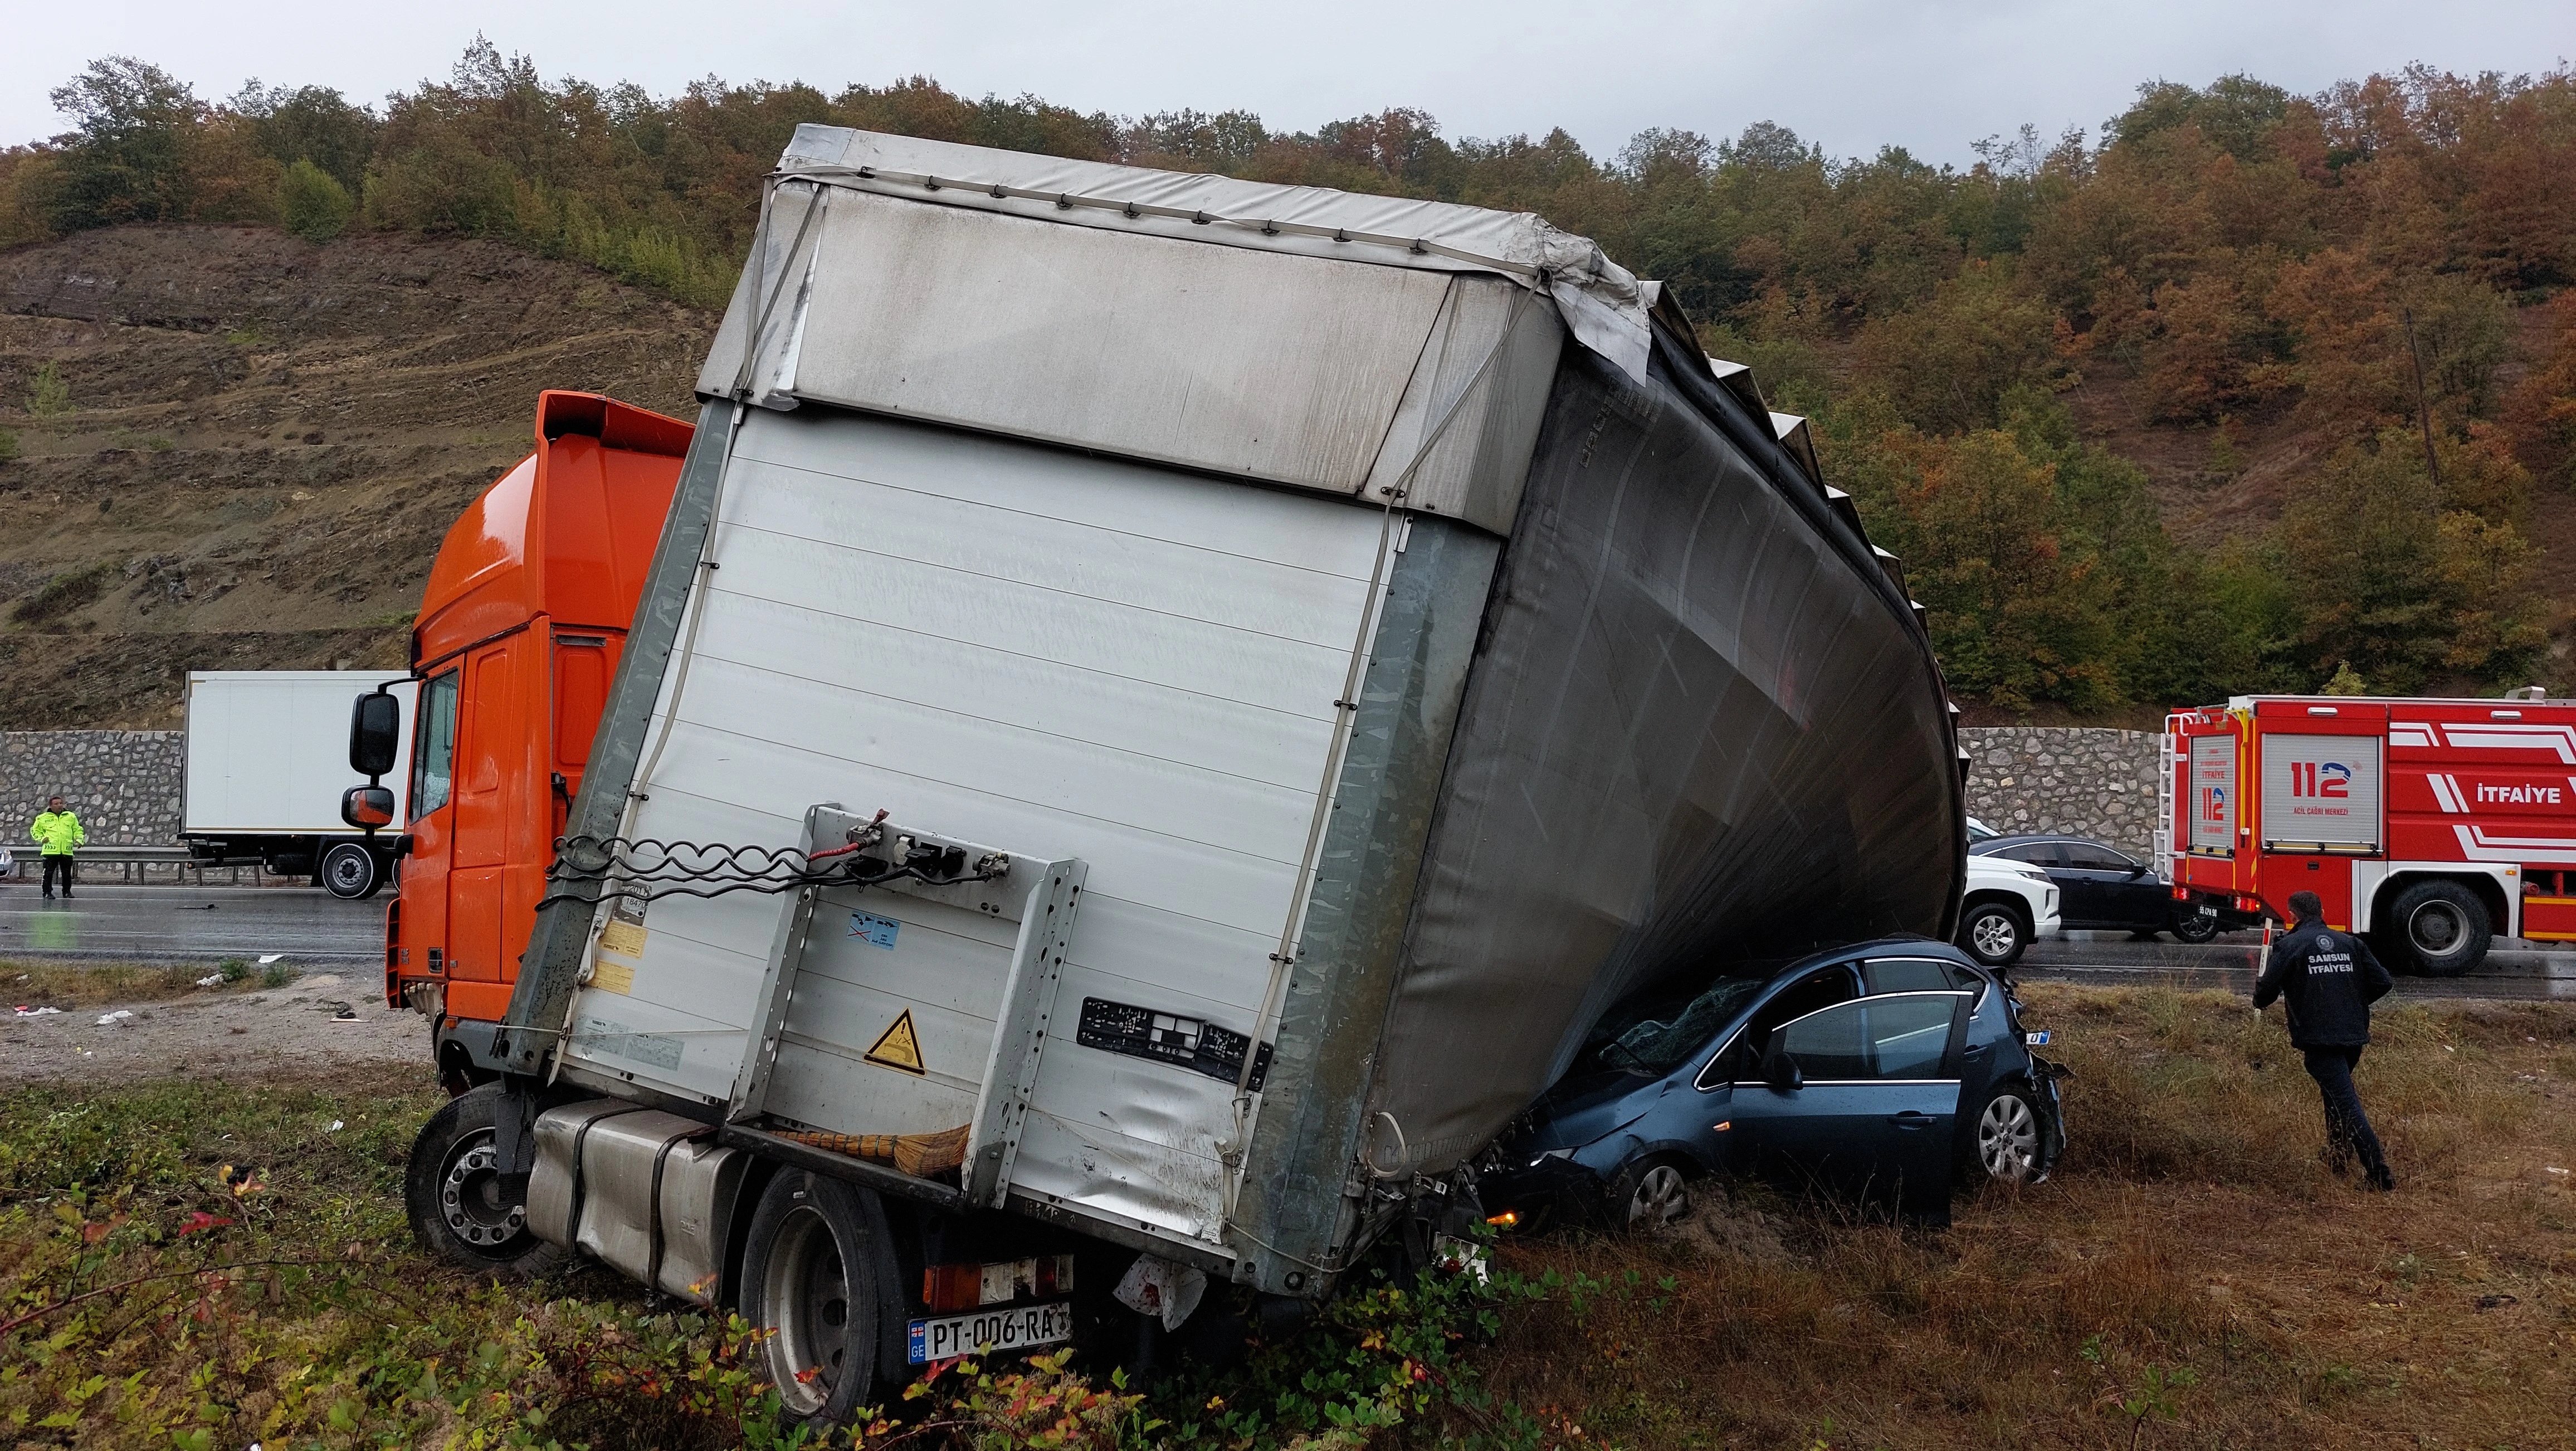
(266,441)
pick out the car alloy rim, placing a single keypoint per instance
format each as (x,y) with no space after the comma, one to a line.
(2434,928)
(469,1196)
(2008,1138)
(808,1295)
(1661,1196)
(1993,934)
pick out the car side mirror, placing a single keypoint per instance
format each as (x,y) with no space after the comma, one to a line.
(367,807)
(2136,870)
(1781,1071)
(375,730)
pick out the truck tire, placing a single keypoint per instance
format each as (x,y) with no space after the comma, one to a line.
(351,872)
(819,1281)
(2440,927)
(453,1195)
(1993,933)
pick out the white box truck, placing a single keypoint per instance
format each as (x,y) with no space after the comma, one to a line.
(267,759)
(1163,711)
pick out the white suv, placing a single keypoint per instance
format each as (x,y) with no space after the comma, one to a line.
(2006,904)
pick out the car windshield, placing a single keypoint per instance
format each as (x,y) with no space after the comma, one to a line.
(1657,1035)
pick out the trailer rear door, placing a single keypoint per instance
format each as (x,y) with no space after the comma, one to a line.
(1060,656)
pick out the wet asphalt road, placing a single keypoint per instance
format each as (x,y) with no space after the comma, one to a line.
(2514,970)
(191,924)
(197,924)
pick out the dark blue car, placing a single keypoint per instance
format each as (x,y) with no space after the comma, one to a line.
(1886,1071)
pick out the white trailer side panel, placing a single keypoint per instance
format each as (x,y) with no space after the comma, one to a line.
(1058,655)
(268,750)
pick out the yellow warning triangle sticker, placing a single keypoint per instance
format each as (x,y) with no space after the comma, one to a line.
(898,1047)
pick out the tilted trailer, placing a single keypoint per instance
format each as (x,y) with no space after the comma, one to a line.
(1163,710)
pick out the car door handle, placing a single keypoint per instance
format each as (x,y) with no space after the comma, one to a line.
(1912,1118)
(1973,1050)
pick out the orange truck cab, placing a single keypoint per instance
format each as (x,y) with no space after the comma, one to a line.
(518,635)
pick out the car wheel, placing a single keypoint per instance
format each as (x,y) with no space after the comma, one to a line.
(817,1267)
(350,872)
(2193,927)
(2442,927)
(1649,1193)
(1993,934)
(453,1196)
(2005,1142)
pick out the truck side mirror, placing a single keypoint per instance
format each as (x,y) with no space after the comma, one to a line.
(375,729)
(367,807)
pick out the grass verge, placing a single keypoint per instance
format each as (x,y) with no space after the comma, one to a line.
(67,985)
(197,1264)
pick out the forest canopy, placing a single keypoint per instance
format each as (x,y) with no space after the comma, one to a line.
(2370,286)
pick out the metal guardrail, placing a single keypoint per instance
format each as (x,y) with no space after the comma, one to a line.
(135,864)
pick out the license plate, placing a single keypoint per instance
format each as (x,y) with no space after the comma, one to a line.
(2208,909)
(2037,1038)
(1013,1327)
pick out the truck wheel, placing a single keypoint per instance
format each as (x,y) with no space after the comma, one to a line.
(1993,934)
(350,871)
(453,1194)
(818,1273)
(2442,927)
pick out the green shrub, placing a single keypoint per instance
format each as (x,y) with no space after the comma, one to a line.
(276,974)
(234,969)
(316,206)
(50,396)
(8,445)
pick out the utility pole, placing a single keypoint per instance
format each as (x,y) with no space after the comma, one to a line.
(2423,410)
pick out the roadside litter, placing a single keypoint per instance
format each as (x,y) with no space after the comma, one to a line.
(110,1019)
(25,1011)
(212,979)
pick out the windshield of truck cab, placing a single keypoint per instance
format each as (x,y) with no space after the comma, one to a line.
(433,758)
(1657,1034)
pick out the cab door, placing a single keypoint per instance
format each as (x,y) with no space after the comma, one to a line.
(491,742)
(1872,1104)
(432,824)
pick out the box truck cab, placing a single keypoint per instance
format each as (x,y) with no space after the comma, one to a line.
(520,626)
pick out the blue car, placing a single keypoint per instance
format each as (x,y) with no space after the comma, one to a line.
(1887,1071)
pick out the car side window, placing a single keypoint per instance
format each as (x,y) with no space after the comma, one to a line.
(434,748)
(1740,1061)
(2091,857)
(2037,853)
(1907,1036)
(1910,975)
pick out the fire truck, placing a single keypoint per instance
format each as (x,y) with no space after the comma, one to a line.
(2430,826)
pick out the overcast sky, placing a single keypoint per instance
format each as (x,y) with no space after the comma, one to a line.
(1931,75)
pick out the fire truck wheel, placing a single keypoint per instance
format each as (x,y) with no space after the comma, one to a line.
(818,1280)
(2441,927)
(458,1213)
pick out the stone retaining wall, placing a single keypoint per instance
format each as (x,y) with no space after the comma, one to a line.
(123,784)
(2096,783)
(2101,783)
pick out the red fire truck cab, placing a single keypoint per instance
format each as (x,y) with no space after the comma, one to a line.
(2431,826)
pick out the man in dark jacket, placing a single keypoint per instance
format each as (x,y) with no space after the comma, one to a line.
(2329,979)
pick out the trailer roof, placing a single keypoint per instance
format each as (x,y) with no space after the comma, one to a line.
(1602,302)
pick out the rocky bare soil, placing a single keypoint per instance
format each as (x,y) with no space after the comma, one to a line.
(265,442)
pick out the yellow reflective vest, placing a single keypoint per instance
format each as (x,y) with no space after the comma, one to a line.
(59,833)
